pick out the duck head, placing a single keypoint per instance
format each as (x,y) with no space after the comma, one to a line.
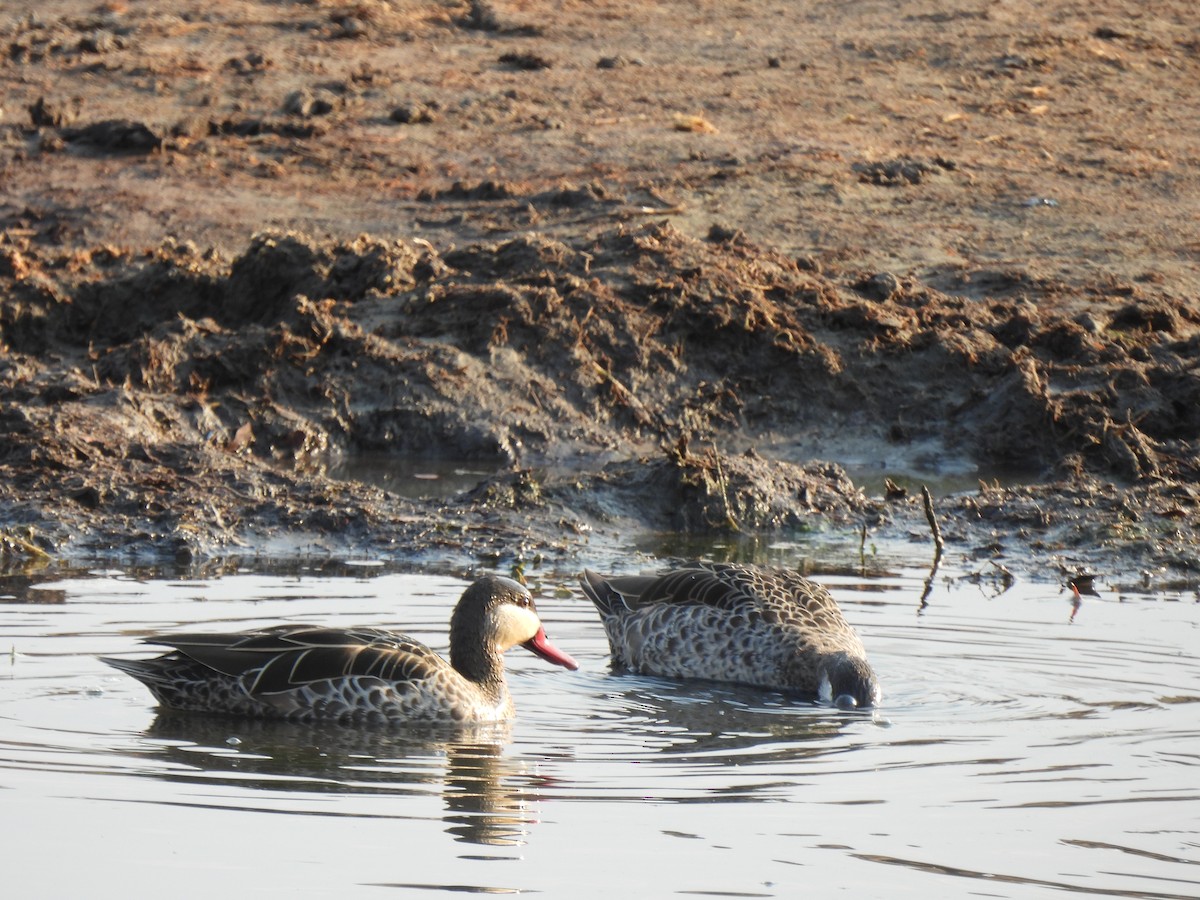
(499,613)
(848,682)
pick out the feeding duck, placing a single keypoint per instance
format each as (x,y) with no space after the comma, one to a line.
(752,625)
(305,672)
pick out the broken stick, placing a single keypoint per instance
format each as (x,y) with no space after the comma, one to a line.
(938,546)
(932,519)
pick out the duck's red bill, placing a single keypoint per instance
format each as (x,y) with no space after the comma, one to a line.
(540,644)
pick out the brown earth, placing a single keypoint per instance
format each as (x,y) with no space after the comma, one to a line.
(644,262)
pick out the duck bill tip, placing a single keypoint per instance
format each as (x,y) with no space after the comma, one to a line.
(540,645)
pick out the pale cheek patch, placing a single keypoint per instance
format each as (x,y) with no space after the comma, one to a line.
(513,625)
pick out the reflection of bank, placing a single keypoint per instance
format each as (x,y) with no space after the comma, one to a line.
(482,789)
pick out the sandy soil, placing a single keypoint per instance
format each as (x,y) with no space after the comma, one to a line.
(660,267)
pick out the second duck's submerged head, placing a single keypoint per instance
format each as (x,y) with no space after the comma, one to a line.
(494,615)
(848,682)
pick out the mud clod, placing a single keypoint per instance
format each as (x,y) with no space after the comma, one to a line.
(527,61)
(115,136)
(903,171)
(54,113)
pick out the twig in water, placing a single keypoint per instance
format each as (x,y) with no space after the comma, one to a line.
(938,545)
(933,525)
(731,521)
(862,550)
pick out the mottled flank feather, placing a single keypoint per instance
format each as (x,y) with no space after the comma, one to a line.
(753,625)
(302,672)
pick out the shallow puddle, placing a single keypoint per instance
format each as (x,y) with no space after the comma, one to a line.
(1024,748)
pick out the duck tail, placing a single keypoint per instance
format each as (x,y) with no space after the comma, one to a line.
(606,599)
(147,671)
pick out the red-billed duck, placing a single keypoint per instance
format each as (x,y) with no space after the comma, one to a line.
(304,672)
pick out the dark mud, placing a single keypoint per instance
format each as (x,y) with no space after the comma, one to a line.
(240,246)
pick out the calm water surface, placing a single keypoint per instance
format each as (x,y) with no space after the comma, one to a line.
(1019,753)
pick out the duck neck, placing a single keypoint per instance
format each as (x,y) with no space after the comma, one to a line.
(482,665)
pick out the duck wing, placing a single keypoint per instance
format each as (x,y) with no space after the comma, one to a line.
(780,596)
(723,586)
(282,659)
(694,585)
(722,596)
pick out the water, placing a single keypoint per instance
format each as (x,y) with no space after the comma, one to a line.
(1024,749)
(434,478)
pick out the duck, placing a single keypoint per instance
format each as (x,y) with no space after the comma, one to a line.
(745,624)
(354,675)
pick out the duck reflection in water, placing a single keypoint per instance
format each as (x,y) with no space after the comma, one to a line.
(484,792)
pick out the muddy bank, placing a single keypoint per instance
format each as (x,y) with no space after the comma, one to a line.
(178,404)
(672,267)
